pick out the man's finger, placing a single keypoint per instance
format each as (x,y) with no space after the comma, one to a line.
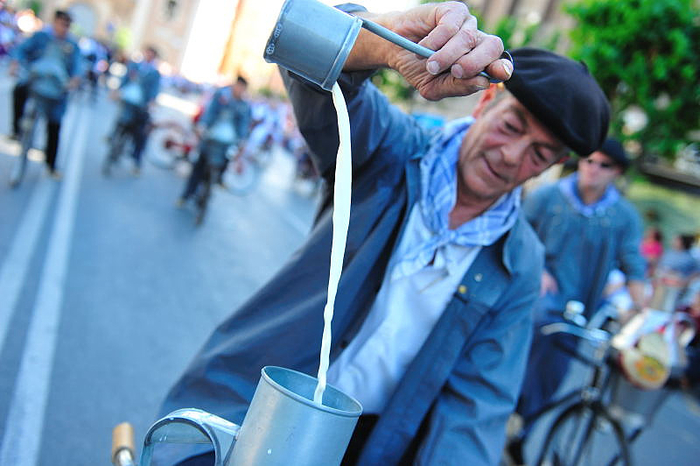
(454,23)
(449,86)
(485,56)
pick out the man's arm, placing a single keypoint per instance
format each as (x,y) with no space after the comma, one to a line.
(462,51)
(153,86)
(632,262)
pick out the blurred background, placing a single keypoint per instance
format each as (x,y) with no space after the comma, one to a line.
(109,285)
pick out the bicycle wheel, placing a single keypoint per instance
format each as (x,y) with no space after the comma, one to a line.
(116,146)
(168,146)
(242,175)
(28,127)
(585,434)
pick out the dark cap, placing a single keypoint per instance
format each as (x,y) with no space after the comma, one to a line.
(613,149)
(563,96)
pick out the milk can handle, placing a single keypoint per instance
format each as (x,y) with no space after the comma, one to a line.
(197,427)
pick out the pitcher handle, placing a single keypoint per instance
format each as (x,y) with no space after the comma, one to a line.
(209,428)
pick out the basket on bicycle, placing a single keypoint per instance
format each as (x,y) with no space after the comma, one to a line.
(648,351)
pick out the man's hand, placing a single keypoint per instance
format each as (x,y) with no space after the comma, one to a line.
(73,83)
(548,284)
(462,51)
(13,70)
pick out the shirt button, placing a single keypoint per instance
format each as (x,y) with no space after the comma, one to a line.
(462,289)
(478,277)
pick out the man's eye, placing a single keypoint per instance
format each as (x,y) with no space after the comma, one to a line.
(510,127)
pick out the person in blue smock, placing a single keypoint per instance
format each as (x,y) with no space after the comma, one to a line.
(52,51)
(224,123)
(432,318)
(138,90)
(588,229)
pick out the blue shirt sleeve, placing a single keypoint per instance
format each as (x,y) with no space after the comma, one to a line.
(378,129)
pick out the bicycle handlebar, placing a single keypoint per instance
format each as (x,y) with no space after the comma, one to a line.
(590,334)
(123,445)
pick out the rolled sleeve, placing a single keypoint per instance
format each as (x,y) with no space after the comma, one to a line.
(377,127)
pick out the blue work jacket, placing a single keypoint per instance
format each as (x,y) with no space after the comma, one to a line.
(147,76)
(240,111)
(580,251)
(33,49)
(453,402)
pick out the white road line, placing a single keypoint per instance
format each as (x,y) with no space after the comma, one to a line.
(25,422)
(16,264)
(14,269)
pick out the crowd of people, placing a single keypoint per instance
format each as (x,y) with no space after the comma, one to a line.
(450,270)
(54,55)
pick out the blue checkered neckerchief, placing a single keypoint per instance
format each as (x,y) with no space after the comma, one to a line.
(438,194)
(568,187)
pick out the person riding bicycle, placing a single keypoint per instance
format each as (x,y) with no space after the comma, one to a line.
(588,229)
(49,62)
(137,92)
(224,123)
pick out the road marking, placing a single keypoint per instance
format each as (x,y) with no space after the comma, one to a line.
(14,269)
(21,441)
(16,264)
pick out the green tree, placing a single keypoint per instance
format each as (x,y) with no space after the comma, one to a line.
(644,54)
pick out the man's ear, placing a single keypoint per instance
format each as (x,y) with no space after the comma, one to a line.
(487,96)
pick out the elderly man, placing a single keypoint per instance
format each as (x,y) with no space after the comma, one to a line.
(588,229)
(432,319)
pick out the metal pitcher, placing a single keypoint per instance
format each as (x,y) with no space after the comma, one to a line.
(282,426)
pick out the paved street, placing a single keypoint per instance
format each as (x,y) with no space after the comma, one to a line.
(126,287)
(107,291)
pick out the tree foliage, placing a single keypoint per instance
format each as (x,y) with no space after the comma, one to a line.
(644,53)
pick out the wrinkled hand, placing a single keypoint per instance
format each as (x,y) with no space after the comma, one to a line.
(462,51)
(548,284)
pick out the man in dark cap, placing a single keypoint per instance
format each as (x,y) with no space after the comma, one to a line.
(432,317)
(588,229)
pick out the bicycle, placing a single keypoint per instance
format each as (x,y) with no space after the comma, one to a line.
(600,420)
(132,117)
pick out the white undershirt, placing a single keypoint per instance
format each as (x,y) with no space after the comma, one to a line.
(400,320)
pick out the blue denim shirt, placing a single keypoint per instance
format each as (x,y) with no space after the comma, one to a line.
(580,250)
(453,402)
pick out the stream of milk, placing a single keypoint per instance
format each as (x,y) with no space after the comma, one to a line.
(341,220)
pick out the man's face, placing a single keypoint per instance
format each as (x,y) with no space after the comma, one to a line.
(148,55)
(239,90)
(61,27)
(504,147)
(596,172)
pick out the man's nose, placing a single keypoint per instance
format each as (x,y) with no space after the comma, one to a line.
(513,151)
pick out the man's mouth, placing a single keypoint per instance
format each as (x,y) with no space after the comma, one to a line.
(492,171)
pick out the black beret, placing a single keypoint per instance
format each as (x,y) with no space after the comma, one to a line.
(613,149)
(563,96)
